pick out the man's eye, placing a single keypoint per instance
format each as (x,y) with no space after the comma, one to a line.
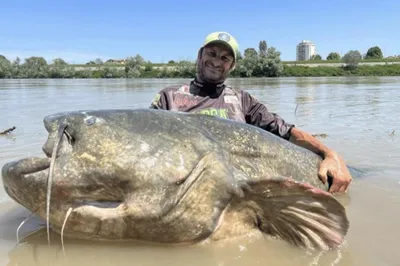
(211,53)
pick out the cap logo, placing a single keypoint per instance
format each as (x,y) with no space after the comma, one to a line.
(224,37)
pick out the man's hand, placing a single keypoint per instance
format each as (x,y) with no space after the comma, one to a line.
(332,164)
(335,167)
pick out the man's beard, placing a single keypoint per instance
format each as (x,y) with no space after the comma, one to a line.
(207,79)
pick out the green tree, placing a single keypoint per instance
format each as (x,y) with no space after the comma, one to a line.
(148,67)
(316,57)
(253,65)
(59,62)
(5,67)
(60,69)
(333,56)
(239,56)
(273,65)
(245,67)
(185,69)
(250,52)
(16,68)
(352,58)
(374,53)
(133,66)
(262,48)
(273,54)
(34,67)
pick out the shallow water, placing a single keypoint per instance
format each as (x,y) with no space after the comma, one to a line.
(359,115)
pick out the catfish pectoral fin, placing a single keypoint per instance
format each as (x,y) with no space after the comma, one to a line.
(298,213)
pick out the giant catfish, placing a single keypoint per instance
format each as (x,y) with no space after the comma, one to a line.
(174,178)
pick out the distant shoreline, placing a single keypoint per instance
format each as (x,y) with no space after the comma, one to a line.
(104,72)
(253,67)
(310,68)
(310,63)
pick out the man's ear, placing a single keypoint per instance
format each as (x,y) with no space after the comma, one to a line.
(199,54)
(233,66)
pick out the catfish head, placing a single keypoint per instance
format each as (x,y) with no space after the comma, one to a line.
(120,172)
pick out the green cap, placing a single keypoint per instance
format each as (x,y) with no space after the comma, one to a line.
(225,38)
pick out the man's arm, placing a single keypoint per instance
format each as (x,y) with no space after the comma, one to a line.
(305,140)
(257,114)
(159,101)
(332,164)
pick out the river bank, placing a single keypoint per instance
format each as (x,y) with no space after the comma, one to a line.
(326,71)
(188,71)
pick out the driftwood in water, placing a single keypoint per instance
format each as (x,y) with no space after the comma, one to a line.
(322,135)
(7,131)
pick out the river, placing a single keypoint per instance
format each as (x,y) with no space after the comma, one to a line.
(358,114)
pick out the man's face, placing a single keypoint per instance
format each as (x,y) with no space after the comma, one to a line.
(214,63)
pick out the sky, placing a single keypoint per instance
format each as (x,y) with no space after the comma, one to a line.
(80,31)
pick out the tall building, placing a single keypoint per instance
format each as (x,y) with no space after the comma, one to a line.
(305,50)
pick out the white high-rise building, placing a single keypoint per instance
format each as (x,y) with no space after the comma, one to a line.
(305,50)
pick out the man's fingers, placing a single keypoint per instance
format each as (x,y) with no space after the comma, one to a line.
(334,172)
(348,184)
(339,186)
(334,188)
(343,188)
(322,175)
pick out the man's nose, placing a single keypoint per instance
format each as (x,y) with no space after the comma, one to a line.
(217,62)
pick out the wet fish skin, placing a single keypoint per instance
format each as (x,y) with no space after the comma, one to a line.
(176,178)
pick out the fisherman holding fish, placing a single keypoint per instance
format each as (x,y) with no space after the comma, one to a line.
(208,94)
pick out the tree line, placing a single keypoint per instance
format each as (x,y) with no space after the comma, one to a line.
(374,52)
(264,62)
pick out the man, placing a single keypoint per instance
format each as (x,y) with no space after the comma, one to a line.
(207,94)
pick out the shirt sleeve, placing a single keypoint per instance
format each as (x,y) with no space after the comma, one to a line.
(160,101)
(257,114)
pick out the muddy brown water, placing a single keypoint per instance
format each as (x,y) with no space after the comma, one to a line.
(357,116)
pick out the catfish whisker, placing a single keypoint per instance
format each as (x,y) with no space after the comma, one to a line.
(58,139)
(63,226)
(22,223)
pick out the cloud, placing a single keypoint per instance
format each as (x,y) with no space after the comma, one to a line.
(70,56)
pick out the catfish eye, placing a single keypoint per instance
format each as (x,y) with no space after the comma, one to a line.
(90,121)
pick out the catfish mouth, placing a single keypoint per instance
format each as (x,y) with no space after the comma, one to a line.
(30,176)
(28,182)
(31,172)
(27,166)
(59,141)
(23,175)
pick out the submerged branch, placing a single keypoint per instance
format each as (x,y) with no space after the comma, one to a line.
(7,131)
(321,135)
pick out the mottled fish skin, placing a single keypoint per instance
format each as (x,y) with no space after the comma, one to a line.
(176,178)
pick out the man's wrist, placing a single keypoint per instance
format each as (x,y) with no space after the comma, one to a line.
(329,154)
